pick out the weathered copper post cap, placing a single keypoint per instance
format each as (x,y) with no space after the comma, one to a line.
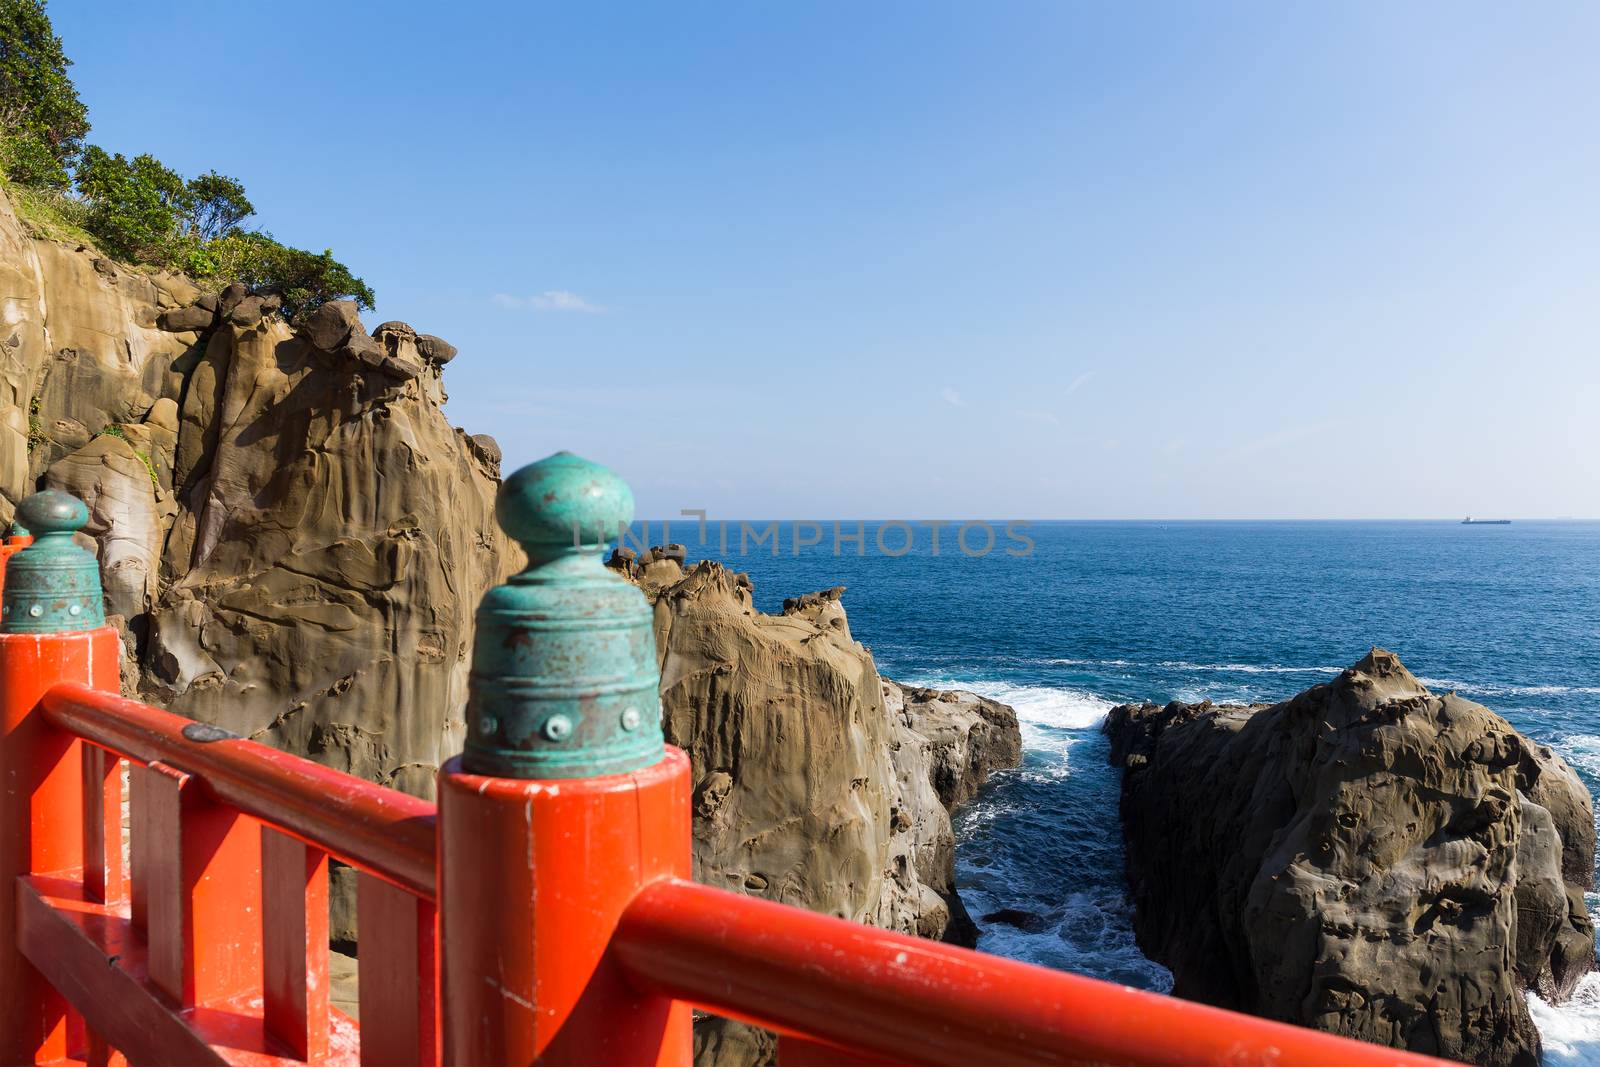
(563,501)
(52,585)
(564,681)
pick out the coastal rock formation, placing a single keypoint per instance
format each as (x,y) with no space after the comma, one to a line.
(293,541)
(817,783)
(1366,858)
(291,535)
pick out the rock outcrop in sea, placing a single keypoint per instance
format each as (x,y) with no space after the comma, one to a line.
(817,783)
(1366,858)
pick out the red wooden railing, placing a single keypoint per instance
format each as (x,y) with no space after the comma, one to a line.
(519,921)
(570,931)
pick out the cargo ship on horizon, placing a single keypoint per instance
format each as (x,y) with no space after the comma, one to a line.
(1470,521)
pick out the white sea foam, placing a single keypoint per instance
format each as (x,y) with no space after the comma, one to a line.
(1570,1031)
(1059,708)
(1091,663)
(1582,751)
(1493,689)
(1245,668)
(1082,938)
(1043,705)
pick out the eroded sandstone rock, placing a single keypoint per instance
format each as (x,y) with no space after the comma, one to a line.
(817,783)
(292,538)
(1366,858)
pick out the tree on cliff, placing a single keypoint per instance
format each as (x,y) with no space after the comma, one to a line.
(216,206)
(142,211)
(134,204)
(43,120)
(138,210)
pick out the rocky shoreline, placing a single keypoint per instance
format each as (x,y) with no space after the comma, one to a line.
(1366,858)
(817,782)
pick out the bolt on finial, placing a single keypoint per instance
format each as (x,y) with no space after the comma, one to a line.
(52,586)
(564,682)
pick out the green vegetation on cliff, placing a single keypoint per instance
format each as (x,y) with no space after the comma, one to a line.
(138,210)
(44,121)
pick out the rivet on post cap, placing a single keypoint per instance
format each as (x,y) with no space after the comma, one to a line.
(52,585)
(565,649)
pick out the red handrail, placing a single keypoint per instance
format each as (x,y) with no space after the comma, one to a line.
(567,936)
(906,998)
(383,831)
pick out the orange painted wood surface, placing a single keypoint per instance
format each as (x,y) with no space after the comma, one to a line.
(90,952)
(102,824)
(533,878)
(383,831)
(138,851)
(895,995)
(294,949)
(41,815)
(398,975)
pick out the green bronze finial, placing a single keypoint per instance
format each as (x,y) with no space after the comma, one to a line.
(52,585)
(564,680)
(19,530)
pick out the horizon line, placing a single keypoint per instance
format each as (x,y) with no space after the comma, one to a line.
(692,521)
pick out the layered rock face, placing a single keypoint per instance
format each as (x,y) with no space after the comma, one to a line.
(817,783)
(293,541)
(291,535)
(1365,858)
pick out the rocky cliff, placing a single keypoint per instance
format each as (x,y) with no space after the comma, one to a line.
(1365,858)
(817,783)
(293,541)
(292,537)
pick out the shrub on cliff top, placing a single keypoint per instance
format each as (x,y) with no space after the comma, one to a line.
(143,211)
(304,280)
(42,119)
(134,204)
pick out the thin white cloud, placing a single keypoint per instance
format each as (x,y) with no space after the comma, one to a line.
(1080,381)
(952,397)
(549,300)
(1038,415)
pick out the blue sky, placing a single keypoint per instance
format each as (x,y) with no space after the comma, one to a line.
(1045,260)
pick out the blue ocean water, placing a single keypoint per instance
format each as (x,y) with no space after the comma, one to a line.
(1104,612)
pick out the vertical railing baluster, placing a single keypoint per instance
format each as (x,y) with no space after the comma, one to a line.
(397,967)
(138,847)
(158,892)
(294,943)
(202,884)
(102,825)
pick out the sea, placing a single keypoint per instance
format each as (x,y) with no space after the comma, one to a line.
(1062,620)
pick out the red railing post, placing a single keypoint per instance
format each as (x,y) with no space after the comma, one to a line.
(565,802)
(52,629)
